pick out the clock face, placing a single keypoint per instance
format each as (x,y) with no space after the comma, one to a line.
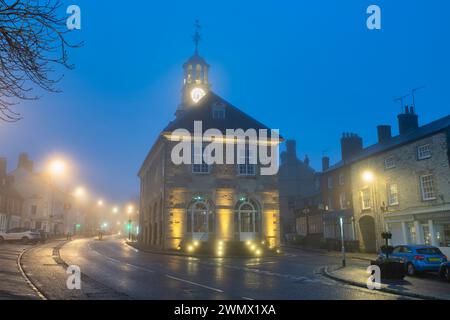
(197,94)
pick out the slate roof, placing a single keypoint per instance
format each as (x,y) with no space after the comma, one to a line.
(202,111)
(397,141)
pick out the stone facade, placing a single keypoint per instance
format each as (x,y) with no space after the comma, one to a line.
(298,183)
(397,200)
(168,190)
(180,204)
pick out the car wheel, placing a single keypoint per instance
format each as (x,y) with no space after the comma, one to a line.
(410,270)
(446,274)
(25,240)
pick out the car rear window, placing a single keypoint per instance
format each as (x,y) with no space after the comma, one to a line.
(429,251)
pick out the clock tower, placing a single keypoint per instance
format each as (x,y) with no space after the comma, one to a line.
(195,83)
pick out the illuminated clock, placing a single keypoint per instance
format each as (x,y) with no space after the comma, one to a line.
(197,94)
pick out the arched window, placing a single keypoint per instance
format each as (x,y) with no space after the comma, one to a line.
(200,218)
(247,216)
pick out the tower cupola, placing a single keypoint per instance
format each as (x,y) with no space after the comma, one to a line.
(195,83)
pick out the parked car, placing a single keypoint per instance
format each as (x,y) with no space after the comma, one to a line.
(444,271)
(24,235)
(419,258)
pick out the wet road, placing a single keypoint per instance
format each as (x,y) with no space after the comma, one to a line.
(143,275)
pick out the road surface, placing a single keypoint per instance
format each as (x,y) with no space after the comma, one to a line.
(141,275)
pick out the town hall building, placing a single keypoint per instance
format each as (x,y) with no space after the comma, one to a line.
(200,202)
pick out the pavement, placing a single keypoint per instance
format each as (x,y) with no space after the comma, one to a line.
(48,273)
(13,284)
(425,286)
(112,270)
(348,255)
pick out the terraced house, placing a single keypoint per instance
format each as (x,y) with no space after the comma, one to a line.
(205,202)
(400,184)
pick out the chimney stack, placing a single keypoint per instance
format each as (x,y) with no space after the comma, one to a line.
(408,121)
(384,133)
(351,145)
(3,173)
(306,160)
(25,162)
(291,148)
(325,163)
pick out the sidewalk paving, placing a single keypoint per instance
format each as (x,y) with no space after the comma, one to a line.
(348,255)
(47,270)
(13,286)
(426,286)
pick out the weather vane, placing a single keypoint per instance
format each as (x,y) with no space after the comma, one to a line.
(197,37)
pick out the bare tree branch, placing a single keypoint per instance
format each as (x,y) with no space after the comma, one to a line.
(32,43)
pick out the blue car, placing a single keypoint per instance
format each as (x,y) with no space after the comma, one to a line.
(419,258)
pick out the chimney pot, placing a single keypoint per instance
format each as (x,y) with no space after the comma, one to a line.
(351,145)
(408,121)
(25,162)
(325,163)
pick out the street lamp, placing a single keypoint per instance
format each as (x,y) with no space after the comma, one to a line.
(341,222)
(368,176)
(130,222)
(56,168)
(80,192)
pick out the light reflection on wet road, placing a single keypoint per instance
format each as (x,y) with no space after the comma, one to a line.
(143,275)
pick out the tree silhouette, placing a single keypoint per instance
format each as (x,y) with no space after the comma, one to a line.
(32,44)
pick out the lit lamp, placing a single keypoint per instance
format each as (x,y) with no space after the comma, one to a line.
(130,222)
(368,176)
(56,168)
(80,192)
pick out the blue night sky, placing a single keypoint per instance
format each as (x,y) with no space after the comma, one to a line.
(310,68)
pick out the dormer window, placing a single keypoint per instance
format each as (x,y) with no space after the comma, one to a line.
(218,111)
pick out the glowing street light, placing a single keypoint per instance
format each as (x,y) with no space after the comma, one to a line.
(368,176)
(115,210)
(100,203)
(130,209)
(80,192)
(57,167)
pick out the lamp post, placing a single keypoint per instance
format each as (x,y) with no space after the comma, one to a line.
(79,193)
(100,205)
(56,168)
(369,177)
(129,211)
(341,222)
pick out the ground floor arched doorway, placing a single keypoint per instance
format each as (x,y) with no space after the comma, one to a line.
(368,235)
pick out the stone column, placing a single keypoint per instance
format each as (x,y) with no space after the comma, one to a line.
(405,233)
(419,232)
(432,233)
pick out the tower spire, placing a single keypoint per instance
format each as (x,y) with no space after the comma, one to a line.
(197,36)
